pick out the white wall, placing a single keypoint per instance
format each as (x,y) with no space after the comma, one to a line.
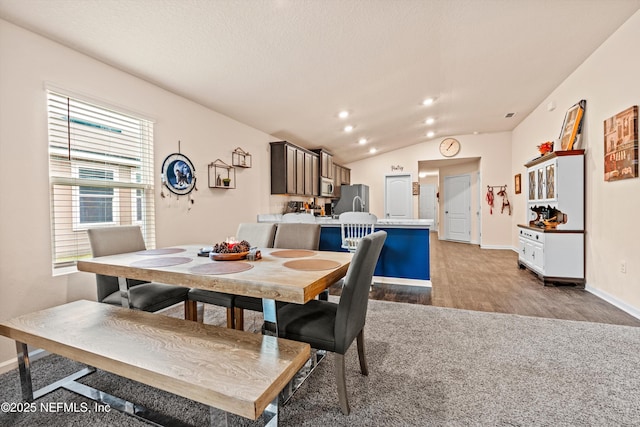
(495,169)
(28,61)
(608,80)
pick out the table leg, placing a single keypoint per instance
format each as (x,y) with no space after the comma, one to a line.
(24,365)
(124,292)
(270,318)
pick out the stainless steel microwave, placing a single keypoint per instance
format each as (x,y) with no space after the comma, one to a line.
(326,187)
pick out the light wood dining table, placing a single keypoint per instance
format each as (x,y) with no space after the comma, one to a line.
(294,276)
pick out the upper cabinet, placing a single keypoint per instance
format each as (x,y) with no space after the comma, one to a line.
(557,181)
(294,170)
(326,163)
(342,175)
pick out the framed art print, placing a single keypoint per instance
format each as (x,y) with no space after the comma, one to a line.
(621,145)
(572,126)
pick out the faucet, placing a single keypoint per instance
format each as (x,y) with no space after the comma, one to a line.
(353,206)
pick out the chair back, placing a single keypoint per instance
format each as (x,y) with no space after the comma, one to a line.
(297,236)
(111,241)
(354,300)
(354,226)
(305,218)
(260,234)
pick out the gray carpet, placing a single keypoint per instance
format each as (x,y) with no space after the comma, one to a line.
(428,366)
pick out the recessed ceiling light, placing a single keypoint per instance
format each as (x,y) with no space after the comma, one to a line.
(372,151)
(430,121)
(348,128)
(362,141)
(430,134)
(343,114)
(428,101)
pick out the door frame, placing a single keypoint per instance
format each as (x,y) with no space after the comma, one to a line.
(446,202)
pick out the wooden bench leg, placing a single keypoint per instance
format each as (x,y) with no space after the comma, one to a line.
(239,315)
(231,318)
(191,310)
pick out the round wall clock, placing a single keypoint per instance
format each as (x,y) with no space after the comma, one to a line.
(449,147)
(178,174)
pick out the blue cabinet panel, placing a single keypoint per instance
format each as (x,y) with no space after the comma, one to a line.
(405,253)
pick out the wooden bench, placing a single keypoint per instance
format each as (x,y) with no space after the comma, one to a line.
(234,371)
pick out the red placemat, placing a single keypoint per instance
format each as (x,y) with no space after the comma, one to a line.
(293,253)
(312,264)
(161,251)
(220,267)
(161,262)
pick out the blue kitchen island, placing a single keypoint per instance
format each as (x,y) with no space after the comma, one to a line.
(404,258)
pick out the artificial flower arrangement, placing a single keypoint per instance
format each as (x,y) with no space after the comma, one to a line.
(545,147)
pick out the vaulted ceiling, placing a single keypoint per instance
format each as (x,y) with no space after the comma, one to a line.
(288,67)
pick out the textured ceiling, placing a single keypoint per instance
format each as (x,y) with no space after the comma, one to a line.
(287,67)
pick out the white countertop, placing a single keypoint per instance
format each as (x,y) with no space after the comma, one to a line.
(328,221)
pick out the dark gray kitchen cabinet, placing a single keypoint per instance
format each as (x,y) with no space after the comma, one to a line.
(294,170)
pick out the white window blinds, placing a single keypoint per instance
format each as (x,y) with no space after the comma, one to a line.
(100,172)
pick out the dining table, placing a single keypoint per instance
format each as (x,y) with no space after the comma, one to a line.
(284,275)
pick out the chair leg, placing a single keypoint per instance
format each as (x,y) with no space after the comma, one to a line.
(361,356)
(342,384)
(239,316)
(231,318)
(191,310)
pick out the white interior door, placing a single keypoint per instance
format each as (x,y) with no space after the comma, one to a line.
(398,203)
(457,207)
(427,209)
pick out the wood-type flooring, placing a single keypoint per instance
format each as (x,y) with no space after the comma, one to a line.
(467,277)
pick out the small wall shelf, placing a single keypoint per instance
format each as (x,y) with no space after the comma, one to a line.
(241,158)
(221,175)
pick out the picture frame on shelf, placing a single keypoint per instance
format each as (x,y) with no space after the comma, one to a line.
(572,126)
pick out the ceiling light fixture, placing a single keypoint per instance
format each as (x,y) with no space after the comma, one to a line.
(348,128)
(422,174)
(362,141)
(431,134)
(428,101)
(343,114)
(430,121)
(372,151)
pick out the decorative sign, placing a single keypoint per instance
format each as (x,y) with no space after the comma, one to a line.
(621,145)
(572,126)
(178,174)
(397,168)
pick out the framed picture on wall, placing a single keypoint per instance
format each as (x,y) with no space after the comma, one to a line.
(572,126)
(621,145)
(518,183)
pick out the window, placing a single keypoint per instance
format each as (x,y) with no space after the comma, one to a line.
(101,174)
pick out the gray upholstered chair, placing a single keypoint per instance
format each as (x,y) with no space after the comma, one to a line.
(257,234)
(333,327)
(144,296)
(287,236)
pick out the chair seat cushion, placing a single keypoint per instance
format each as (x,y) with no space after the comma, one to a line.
(313,323)
(150,296)
(212,297)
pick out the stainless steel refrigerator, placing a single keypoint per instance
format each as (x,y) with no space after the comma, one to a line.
(347,195)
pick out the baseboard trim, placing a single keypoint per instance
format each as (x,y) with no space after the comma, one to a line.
(401,281)
(501,247)
(9,365)
(614,301)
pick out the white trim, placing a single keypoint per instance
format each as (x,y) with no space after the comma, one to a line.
(614,301)
(402,281)
(11,364)
(503,247)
